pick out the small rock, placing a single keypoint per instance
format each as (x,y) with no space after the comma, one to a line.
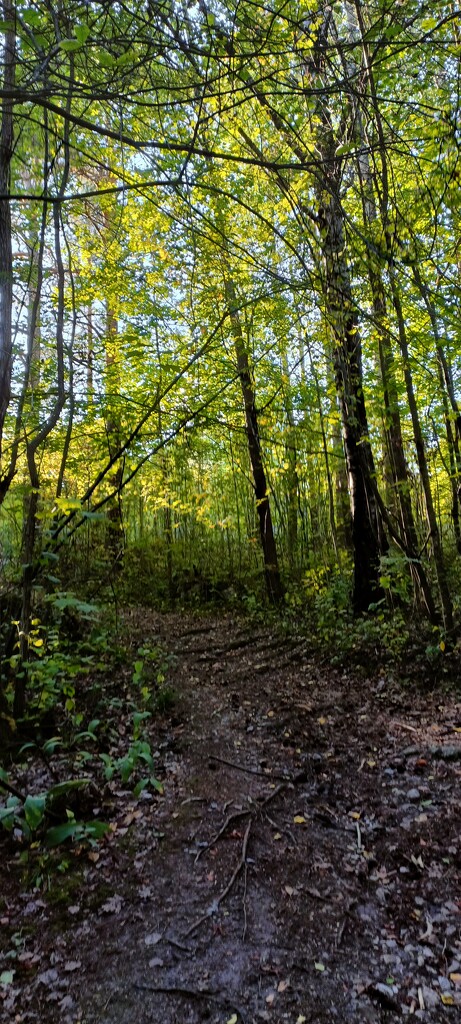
(444,983)
(413,795)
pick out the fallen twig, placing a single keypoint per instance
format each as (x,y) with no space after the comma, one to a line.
(12,789)
(215,905)
(244,768)
(191,993)
(235,816)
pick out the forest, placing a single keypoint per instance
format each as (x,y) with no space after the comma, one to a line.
(230,409)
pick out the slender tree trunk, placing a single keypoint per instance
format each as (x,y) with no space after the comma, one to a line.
(6,252)
(292,478)
(447,608)
(116,536)
(269,548)
(449,400)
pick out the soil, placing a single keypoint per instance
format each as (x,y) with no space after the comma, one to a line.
(302,864)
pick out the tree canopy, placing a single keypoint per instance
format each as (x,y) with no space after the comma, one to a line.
(229,299)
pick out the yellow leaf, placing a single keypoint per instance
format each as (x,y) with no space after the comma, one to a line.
(270,714)
(299,819)
(319,967)
(447,999)
(455,978)
(301,1019)
(442,648)
(371,764)
(233,1019)
(277,836)
(355,815)
(322,721)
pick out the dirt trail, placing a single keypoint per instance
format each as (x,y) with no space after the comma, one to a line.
(302,865)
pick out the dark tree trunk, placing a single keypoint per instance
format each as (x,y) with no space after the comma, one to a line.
(6,256)
(271,567)
(368,538)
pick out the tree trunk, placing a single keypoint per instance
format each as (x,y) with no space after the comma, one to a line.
(368,537)
(6,253)
(271,568)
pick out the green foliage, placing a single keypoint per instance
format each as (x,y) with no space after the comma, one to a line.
(30,818)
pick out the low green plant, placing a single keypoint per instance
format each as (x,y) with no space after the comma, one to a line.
(135,761)
(29,816)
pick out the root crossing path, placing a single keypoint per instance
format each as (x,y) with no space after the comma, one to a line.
(302,864)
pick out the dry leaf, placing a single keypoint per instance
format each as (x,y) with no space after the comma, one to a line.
(319,967)
(72,965)
(112,905)
(447,999)
(299,819)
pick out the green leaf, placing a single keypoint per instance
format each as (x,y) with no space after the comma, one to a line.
(7,977)
(51,745)
(59,833)
(34,811)
(142,784)
(81,33)
(62,788)
(69,45)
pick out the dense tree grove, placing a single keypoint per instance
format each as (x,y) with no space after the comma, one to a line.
(229,305)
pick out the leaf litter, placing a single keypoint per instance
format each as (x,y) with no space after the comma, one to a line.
(302,863)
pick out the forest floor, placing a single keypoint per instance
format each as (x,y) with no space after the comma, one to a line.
(302,864)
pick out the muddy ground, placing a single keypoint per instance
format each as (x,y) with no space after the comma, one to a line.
(302,864)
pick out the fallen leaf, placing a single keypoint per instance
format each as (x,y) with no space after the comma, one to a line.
(72,965)
(233,1019)
(112,905)
(318,966)
(290,891)
(270,998)
(322,721)
(447,999)
(299,819)
(455,978)
(282,986)
(355,815)
(301,1019)
(7,977)
(277,836)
